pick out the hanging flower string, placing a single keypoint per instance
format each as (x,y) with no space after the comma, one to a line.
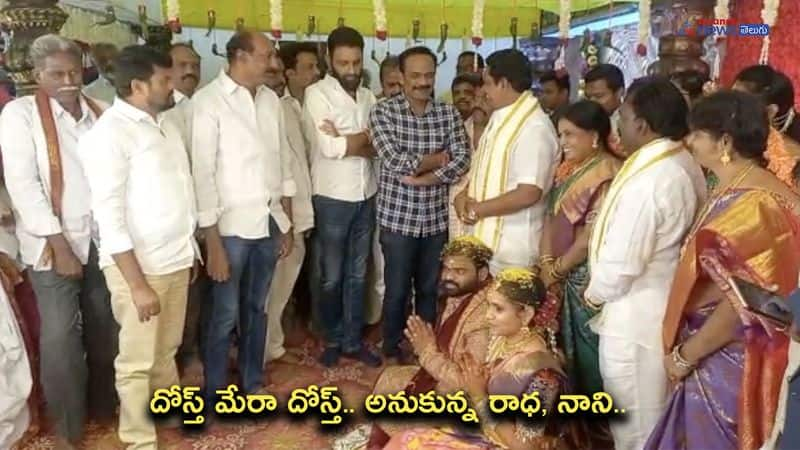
(173,17)
(276,18)
(477,22)
(644,27)
(564,17)
(769,14)
(721,15)
(379,8)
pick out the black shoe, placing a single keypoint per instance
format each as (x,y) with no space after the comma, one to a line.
(365,356)
(330,357)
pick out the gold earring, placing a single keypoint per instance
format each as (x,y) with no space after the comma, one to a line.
(594,144)
(726,158)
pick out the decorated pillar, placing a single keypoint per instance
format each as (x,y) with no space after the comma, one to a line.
(26,20)
(681,49)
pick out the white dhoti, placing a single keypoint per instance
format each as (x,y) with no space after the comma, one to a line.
(15,377)
(634,376)
(283,280)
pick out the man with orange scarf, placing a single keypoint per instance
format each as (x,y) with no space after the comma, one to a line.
(50,194)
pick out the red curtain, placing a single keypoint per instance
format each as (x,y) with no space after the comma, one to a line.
(743,51)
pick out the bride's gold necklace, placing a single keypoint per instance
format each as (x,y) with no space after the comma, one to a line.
(716,195)
(505,348)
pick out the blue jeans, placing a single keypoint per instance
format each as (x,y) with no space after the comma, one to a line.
(408,259)
(344,232)
(241,299)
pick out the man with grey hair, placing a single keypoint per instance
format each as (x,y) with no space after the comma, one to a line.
(39,136)
(102,88)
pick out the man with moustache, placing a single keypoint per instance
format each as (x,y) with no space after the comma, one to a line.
(143,200)
(244,187)
(504,201)
(102,88)
(423,149)
(276,79)
(475,126)
(186,78)
(51,199)
(634,250)
(461,329)
(463,90)
(301,70)
(335,115)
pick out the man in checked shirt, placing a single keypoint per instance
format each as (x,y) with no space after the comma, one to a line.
(422,146)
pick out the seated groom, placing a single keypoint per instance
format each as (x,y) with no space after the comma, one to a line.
(462,328)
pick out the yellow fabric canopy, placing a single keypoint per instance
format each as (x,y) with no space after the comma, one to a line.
(359,15)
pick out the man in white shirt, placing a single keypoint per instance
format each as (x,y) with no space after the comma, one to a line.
(276,80)
(301,70)
(143,200)
(50,195)
(186,78)
(513,168)
(634,251)
(604,84)
(344,187)
(102,88)
(244,187)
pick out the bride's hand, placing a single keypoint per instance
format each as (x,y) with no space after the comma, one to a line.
(473,376)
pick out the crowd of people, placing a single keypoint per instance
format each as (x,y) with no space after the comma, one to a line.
(576,247)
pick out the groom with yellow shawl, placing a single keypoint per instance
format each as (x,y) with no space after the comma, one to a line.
(513,167)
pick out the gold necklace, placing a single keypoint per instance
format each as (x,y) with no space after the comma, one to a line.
(716,195)
(503,349)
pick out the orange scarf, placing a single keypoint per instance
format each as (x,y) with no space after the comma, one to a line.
(53,149)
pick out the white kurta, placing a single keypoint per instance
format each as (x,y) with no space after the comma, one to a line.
(633,260)
(15,377)
(533,158)
(27,175)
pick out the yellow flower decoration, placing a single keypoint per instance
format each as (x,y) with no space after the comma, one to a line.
(471,247)
(525,278)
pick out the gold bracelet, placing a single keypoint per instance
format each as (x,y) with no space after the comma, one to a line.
(546,259)
(592,305)
(555,271)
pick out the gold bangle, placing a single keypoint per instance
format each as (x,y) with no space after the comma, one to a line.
(592,305)
(546,259)
(679,360)
(555,271)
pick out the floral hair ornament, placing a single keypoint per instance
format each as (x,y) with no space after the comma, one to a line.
(471,247)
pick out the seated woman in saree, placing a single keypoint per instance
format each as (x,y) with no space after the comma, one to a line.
(580,186)
(518,362)
(726,361)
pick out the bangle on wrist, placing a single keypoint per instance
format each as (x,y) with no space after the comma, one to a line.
(591,304)
(679,360)
(555,271)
